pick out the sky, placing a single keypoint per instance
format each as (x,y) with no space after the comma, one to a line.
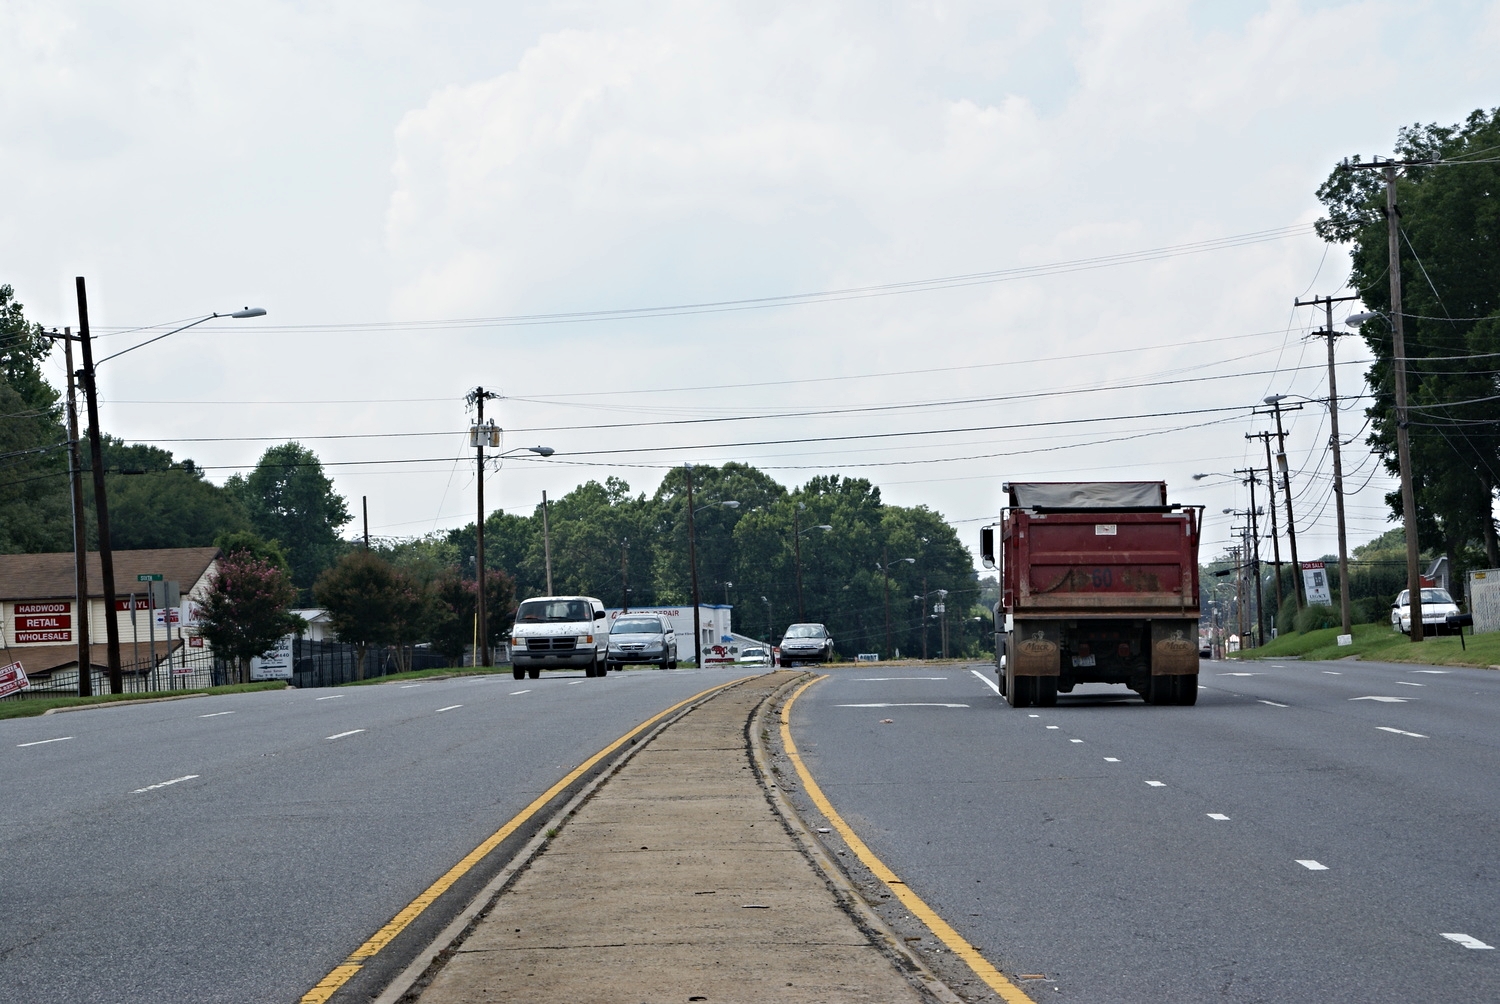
(941,246)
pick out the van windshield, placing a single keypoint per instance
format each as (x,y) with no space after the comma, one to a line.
(548,611)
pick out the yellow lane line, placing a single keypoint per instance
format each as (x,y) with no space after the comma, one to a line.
(342,973)
(1008,991)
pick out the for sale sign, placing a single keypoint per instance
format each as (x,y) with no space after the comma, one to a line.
(13,679)
(1315,581)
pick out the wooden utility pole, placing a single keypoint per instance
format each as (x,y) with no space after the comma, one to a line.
(624,575)
(479,435)
(101,503)
(546,544)
(693,571)
(1334,444)
(1265,437)
(80,531)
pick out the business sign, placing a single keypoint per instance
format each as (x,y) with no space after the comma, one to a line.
(275,664)
(13,679)
(43,623)
(1315,582)
(162,614)
(1484,599)
(122,605)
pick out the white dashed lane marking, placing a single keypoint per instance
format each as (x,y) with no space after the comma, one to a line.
(909,706)
(341,735)
(887,679)
(1399,732)
(514,693)
(450,707)
(163,784)
(216,714)
(408,686)
(1434,672)
(1111,759)
(1468,941)
(1408,683)
(1312,865)
(1240,674)
(335,697)
(1157,784)
(1075,740)
(1383,700)
(1275,705)
(43,742)
(1330,672)
(1219,816)
(1054,726)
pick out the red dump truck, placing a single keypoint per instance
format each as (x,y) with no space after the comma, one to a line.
(1099,584)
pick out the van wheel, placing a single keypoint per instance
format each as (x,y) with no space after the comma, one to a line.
(535,672)
(518,672)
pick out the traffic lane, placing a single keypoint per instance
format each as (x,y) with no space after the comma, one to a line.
(1076,867)
(294,854)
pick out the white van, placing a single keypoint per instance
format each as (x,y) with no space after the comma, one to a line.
(559,632)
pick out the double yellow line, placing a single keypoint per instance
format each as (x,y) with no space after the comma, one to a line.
(993,978)
(345,971)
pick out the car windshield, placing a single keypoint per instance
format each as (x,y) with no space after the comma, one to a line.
(637,625)
(540,611)
(805,631)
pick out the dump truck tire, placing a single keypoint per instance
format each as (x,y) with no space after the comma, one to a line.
(1046,691)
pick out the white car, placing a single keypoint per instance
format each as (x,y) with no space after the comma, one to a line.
(1436,606)
(559,632)
(754,657)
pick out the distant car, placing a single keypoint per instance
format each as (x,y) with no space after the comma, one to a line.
(642,638)
(558,632)
(1436,606)
(806,643)
(754,657)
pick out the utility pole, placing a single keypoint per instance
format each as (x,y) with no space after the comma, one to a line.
(1336,446)
(693,571)
(1254,543)
(1298,595)
(546,544)
(80,532)
(1265,437)
(885,569)
(364,505)
(101,504)
(797,554)
(479,435)
(1398,351)
(924,618)
(624,575)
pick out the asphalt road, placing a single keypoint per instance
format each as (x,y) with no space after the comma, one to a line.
(1307,832)
(237,848)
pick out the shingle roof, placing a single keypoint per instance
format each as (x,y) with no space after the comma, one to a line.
(50,576)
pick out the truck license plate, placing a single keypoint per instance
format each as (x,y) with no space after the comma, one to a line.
(1083,660)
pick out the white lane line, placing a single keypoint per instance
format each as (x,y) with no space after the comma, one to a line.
(1399,732)
(887,679)
(1434,672)
(408,686)
(1468,941)
(450,707)
(1408,683)
(513,693)
(43,742)
(1075,740)
(1275,705)
(1054,726)
(571,683)
(1033,716)
(924,705)
(1383,700)
(1241,674)
(986,680)
(175,780)
(335,697)
(216,714)
(1312,865)
(1157,784)
(1111,759)
(343,734)
(1329,672)
(1219,816)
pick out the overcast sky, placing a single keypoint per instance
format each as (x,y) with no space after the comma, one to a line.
(369,170)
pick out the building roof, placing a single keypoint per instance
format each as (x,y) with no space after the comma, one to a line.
(42,660)
(50,576)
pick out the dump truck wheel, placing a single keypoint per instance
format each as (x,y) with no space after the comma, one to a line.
(1023,692)
(1046,691)
(1187,690)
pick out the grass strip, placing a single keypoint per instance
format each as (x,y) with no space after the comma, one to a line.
(1378,643)
(28,707)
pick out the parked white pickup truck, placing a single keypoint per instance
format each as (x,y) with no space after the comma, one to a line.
(559,632)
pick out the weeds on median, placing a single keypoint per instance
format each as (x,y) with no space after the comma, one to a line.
(27,707)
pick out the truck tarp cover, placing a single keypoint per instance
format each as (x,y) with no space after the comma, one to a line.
(1089,495)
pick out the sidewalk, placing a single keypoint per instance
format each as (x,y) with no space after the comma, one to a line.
(675,882)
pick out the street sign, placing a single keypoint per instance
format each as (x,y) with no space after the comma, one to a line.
(13,679)
(149,577)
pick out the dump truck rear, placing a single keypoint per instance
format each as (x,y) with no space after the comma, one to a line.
(1099,584)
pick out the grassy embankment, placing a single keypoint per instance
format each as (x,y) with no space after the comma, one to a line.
(29,706)
(1378,643)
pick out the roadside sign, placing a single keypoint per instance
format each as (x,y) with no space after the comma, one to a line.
(149,577)
(275,664)
(1484,599)
(13,680)
(1315,582)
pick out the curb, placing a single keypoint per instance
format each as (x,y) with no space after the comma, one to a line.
(120,704)
(408,984)
(847,894)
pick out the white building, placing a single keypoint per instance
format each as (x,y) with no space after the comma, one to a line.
(718,643)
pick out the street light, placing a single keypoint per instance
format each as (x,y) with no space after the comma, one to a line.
(96,456)
(693,560)
(797,533)
(886,572)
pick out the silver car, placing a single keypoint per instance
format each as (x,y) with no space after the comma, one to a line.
(806,643)
(641,638)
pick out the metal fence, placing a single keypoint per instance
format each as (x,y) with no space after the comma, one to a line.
(330,663)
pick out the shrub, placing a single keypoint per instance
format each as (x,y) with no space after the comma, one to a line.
(1315,618)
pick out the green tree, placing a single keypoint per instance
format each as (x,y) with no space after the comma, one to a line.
(35,510)
(247,609)
(1450,276)
(452,630)
(290,499)
(362,595)
(157,501)
(249,542)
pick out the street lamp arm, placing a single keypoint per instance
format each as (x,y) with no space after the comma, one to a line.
(245,312)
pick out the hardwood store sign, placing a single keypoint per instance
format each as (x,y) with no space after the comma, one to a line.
(43,623)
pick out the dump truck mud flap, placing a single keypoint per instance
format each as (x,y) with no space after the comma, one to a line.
(1174,647)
